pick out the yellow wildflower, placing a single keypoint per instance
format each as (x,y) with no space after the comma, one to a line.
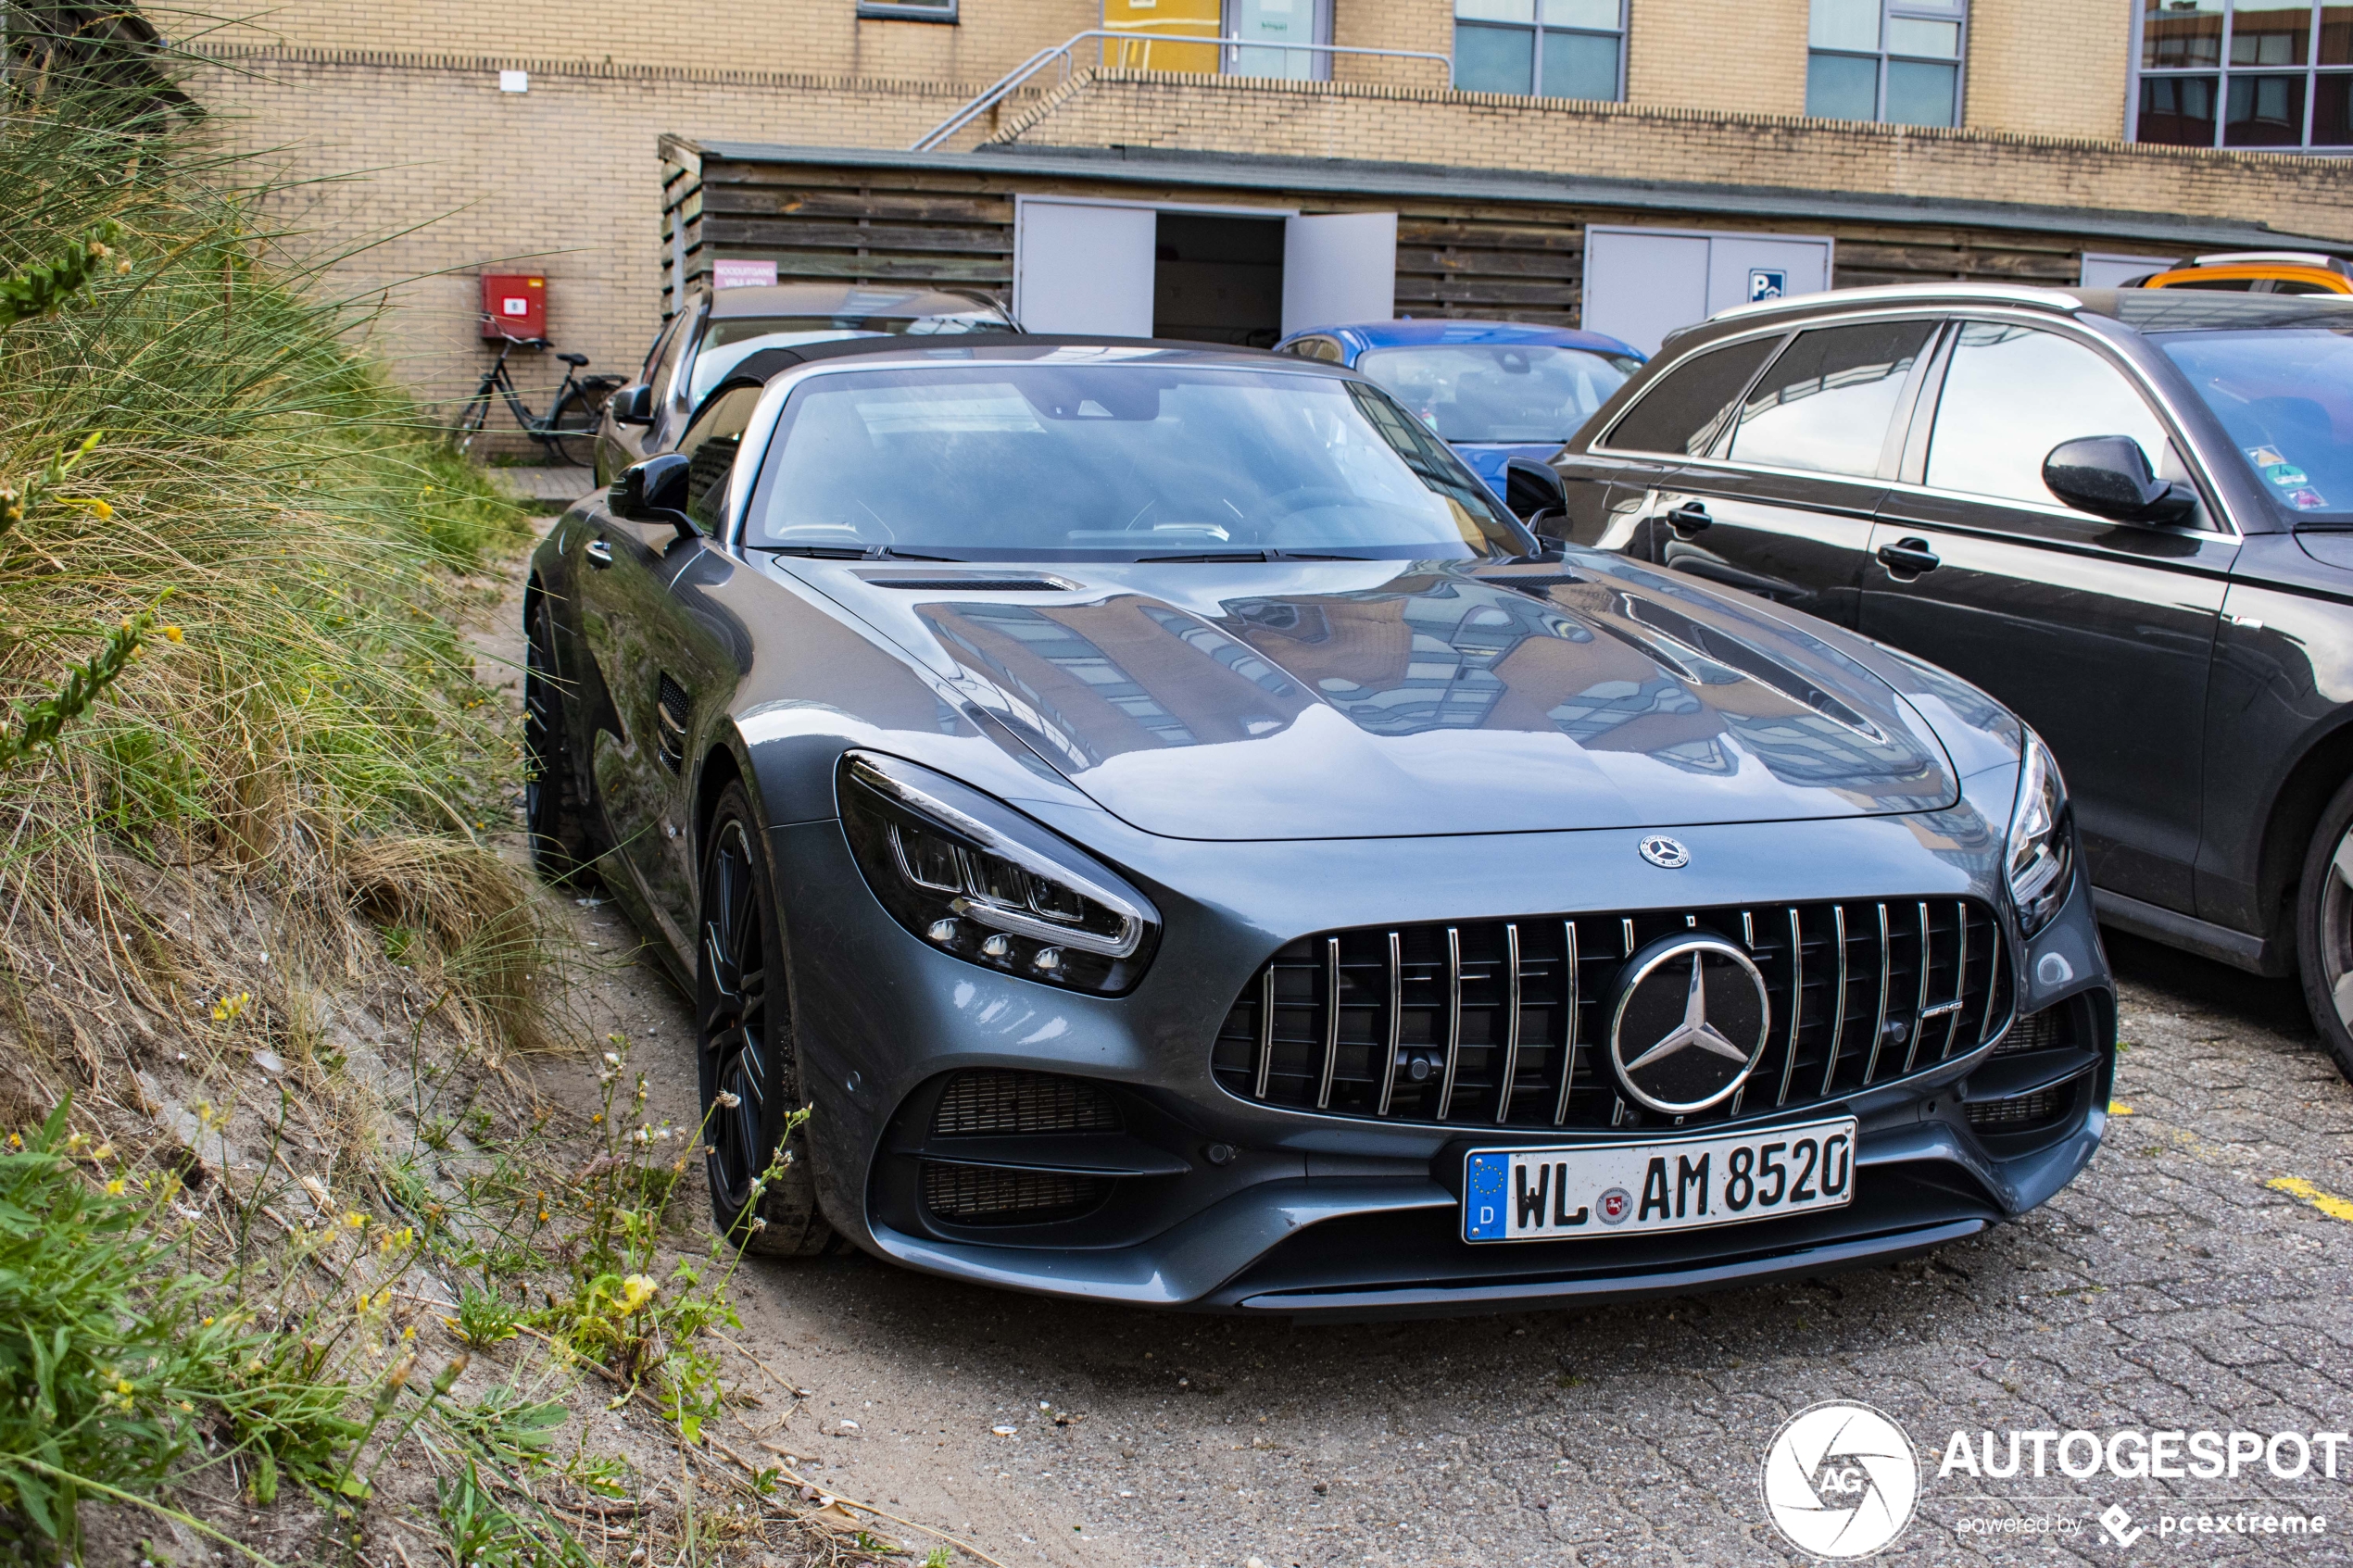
(114,1188)
(172,634)
(635,1291)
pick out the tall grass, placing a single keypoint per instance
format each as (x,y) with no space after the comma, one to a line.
(290,502)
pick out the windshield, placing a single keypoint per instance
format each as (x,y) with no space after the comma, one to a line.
(1137,460)
(727,343)
(2286,399)
(1534,391)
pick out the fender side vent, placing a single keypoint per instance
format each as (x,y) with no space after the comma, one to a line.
(994,1103)
(673,708)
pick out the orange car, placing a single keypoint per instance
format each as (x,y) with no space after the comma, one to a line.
(2257,272)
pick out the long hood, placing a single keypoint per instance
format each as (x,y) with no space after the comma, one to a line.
(1388,698)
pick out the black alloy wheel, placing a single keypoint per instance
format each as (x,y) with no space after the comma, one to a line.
(750,1075)
(2324,928)
(551,814)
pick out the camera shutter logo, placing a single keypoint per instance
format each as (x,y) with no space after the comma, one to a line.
(1840,1480)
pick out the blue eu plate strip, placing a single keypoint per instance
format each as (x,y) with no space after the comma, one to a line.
(1483,1184)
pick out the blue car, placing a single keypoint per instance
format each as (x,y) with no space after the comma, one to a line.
(1492,390)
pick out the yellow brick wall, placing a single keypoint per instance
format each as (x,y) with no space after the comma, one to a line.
(2053,66)
(1740,58)
(817,37)
(1336,120)
(448,177)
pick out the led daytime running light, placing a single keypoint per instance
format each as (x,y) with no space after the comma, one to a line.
(972,902)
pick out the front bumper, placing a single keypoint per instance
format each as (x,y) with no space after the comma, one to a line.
(1229,1204)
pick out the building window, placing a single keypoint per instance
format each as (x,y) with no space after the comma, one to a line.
(1575,49)
(1893,61)
(2256,73)
(908,10)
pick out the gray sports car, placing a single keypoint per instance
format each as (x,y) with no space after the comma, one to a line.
(1188,847)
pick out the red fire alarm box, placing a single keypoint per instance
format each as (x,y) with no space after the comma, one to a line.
(514,306)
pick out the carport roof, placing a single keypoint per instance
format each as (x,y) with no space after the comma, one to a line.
(1246,171)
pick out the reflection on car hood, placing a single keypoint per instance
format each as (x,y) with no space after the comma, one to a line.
(1394,698)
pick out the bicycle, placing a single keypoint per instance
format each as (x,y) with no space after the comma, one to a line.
(570,429)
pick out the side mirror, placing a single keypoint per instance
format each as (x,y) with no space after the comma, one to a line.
(1531,487)
(632,405)
(2109,476)
(654,491)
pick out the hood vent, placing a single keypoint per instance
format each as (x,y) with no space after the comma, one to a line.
(970,583)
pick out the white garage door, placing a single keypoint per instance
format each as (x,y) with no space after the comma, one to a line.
(1083,266)
(1643,283)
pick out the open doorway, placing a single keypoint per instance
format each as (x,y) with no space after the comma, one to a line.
(1218,279)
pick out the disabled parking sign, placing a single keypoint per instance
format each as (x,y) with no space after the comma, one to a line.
(1766,283)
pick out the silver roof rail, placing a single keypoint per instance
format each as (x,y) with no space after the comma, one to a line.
(1897,294)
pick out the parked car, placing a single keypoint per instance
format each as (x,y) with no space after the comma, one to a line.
(2255,271)
(717,332)
(1187,846)
(2127,514)
(1494,390)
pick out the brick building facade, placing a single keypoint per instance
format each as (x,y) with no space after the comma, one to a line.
(400,145)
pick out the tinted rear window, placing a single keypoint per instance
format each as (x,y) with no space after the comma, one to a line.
(1685,410)
(1826,403)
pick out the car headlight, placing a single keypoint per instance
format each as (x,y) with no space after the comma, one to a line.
(2037,856)
(974,877)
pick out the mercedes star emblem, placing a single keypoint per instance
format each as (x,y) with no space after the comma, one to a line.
(1690,1024)
(1665,852)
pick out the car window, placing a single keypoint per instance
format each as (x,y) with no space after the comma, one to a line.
(659,352)
(1316,349)
(709,446)
(1522,392)
(2012,393)
(665,372)
(1685,410)
(1826,402)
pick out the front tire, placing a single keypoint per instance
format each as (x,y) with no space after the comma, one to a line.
(2324,928)
(551,814)
(750,1069)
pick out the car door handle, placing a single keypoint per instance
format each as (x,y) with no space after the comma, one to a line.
(1909,557)
(600,554)
(1689,518)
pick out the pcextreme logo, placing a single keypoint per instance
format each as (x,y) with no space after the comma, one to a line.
(1839,1480)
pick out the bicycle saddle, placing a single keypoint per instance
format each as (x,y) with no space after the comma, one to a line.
(574,360)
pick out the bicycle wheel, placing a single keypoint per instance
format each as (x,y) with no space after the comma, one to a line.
(470,419)
(571,429)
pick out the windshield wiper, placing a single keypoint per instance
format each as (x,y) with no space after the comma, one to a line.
(1214,555)
(852,552)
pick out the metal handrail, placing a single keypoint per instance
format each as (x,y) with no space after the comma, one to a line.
(1012,81)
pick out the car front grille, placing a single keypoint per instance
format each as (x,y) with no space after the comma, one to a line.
(1504,1023)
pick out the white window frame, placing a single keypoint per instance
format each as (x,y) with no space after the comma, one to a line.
(943,11)
(1898,10)
(1536,63)
(2220,72)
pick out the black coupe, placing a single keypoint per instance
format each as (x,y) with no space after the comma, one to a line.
(1188,845)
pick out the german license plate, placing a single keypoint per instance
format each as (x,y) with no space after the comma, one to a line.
(1678,1185)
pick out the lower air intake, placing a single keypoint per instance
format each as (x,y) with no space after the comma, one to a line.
(979,1195)
(2017,1113)
(995,1104)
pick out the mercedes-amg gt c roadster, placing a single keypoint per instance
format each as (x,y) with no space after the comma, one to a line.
(1188,845)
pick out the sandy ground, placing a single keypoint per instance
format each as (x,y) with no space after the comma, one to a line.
(2171,1286)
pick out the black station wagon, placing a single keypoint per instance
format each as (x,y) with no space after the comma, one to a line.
(2127,514)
